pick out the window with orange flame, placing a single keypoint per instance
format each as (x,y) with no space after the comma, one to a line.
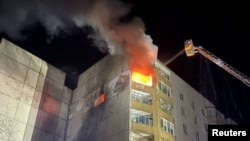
(142,78)
(99,100)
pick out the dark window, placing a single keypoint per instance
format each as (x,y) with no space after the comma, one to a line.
(181,97)
(165,89)
(197,136)
(192,105)
(185,129)
(203,112)
(182,112)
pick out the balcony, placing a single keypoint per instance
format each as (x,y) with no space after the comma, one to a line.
(141,97)
(142,117)
(141,136)
(144,88)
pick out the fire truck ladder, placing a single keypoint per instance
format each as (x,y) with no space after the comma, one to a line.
(190,50)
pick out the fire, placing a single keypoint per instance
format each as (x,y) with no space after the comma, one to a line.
(142,78)
(99,100)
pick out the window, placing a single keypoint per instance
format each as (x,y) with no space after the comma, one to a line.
(203,112)
(165,106)
(165,89)
(182,112)
(192,105)
(205,126)
(167,76)
(181,97)
(162,70)
(197,136)
(167,126)
(163,74)
(141,97)
(185,129)
(141,117)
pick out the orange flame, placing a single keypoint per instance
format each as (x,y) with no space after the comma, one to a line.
(142,78)
(99,100)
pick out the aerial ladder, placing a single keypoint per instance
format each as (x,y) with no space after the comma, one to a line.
(191,50)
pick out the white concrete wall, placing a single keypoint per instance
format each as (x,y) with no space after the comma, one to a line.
(110,120)
(190,95)
(52,114)
(33,100)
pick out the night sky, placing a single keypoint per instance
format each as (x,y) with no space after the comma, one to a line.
(222,29)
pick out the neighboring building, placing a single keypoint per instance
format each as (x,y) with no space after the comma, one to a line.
(33,99)
(107,105)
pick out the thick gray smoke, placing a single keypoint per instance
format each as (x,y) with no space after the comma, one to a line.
(102,15)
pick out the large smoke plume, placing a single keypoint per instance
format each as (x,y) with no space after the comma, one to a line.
(104,16)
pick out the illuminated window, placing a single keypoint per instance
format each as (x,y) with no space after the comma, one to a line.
(142,78)
(165,106)
(167,126)
(141,117)
(165,89)
(141,97)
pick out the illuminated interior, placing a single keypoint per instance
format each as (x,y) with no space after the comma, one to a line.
(142,78)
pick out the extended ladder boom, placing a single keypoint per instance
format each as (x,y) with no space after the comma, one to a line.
(190,50)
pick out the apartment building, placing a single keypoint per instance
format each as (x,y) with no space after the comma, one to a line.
(110,103)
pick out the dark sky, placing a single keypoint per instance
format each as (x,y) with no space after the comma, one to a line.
(222,29)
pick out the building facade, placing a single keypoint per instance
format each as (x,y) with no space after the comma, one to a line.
(167,110)
(34,102)
(110,103)
(193,112)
